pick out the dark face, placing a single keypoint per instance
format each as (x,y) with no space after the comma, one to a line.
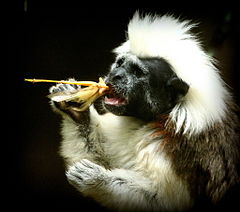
(143,88)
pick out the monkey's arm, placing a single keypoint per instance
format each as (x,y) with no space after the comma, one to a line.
(78,140)
(127,190)
(119,189)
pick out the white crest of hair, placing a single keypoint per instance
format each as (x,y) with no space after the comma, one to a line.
(169,38)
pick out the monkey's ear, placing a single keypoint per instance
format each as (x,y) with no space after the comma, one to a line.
(178,85)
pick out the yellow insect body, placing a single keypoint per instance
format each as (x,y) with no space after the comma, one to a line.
(84,96)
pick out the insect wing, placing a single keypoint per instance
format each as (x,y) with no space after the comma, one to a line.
(80,95)
(62,96)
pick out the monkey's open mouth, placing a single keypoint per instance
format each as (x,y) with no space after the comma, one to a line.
(115,99)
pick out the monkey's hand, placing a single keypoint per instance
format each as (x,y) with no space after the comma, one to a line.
(86,176)
(119,189)
(68,108)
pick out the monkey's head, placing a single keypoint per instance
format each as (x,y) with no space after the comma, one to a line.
(161,68)
(143,87)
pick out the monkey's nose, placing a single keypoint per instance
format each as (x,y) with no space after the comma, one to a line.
(117,75)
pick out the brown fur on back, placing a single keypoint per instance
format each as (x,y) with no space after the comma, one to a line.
(208,161)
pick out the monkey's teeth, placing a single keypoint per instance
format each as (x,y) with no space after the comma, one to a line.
(116,101)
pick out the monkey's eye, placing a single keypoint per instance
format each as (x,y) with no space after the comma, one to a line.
(119,62)
(137,71)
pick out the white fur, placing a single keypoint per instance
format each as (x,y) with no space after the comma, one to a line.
(169,38)
(73,145)
(127,144)
(141,164)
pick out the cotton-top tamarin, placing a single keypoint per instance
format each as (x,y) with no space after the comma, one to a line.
(165,137)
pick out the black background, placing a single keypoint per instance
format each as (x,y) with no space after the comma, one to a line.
(53,40)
